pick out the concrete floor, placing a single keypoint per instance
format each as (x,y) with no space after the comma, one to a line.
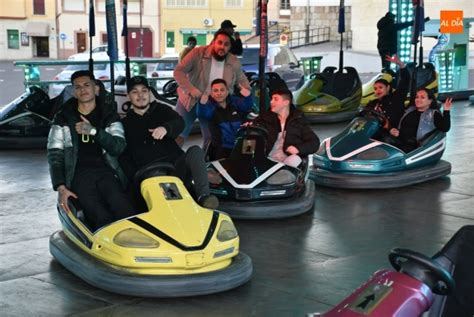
(303,264)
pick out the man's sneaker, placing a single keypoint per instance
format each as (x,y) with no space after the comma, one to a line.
(208,201)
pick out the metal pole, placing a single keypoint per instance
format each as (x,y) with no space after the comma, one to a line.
(125,34)
(262,57)
(141,31)
(307,23)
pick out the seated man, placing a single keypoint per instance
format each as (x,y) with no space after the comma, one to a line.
(84,142)
(150,130)
(290,136)
(225,115)
(421,119)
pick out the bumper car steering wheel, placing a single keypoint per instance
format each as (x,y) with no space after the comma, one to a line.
(444,282)
(380,117)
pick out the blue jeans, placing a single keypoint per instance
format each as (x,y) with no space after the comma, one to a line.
(189,118)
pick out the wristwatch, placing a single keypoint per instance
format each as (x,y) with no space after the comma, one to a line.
(93,131)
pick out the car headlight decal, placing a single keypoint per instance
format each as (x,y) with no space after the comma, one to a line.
(132,238)
(226,231)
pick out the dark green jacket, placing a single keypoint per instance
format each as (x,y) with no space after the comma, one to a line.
(63,142)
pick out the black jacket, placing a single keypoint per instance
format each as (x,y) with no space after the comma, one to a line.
(142,148)
(63,141)
(298,132)
(388,33)
(393,104)
(236,46)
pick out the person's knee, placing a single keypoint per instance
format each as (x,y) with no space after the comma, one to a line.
(293,160)
(194,154)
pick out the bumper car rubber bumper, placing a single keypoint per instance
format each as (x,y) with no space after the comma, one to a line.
(380,180)
(101,275)
(271,209)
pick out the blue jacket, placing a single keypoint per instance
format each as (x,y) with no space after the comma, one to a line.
(224,123)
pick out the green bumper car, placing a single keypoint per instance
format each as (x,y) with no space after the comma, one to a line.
(330,96)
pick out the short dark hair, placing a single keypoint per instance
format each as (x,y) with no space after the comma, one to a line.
(221,32)
(191,39)
(219,81)
(284,93)
(82,73)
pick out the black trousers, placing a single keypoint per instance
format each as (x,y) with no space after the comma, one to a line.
(190,167)
(101,196)
(385,63)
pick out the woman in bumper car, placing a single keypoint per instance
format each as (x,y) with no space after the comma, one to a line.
(422,119)
(390,103)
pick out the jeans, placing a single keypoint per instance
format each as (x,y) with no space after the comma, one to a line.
(189,118)
(190,167)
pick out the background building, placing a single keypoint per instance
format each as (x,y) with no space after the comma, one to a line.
(73,25)
(201,18)
(27,29)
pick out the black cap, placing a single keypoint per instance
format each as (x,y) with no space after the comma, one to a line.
(137,80)
(227,24)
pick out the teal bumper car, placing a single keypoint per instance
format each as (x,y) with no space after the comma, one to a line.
(353,159)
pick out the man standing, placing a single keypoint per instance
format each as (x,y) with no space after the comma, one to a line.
(192,41)
(150,131)
(84,142)
(195,73)
(235,41)
(387,43)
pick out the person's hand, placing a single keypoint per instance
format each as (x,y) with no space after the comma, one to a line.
(204,99)
(196,93)
(237,35)
(394,132)
(244,91)
(158,133)
(63,196)
(447,104)
(247,124)
(395,59)
(292,150)
(84,126)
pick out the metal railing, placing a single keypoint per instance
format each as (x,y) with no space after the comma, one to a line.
(308,37)
(32,74)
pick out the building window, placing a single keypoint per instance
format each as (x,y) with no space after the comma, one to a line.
(284,4)
(201,38)
(187,3)
(38,7)
(233,4)
(103,38)
(13,39)
(74,5)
